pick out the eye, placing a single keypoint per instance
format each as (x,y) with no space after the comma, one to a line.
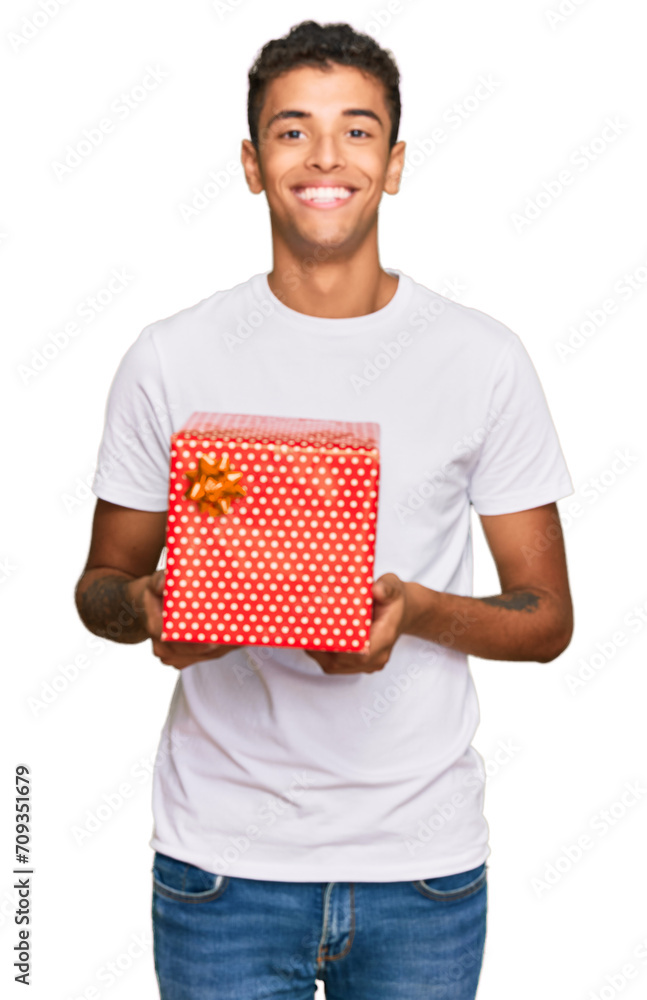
(296,131)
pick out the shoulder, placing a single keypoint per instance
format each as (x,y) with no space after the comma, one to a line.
(466,327)
(202,319)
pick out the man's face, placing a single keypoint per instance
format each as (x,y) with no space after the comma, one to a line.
(324,157)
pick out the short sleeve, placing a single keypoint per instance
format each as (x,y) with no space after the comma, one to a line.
(520,463)
(134,453)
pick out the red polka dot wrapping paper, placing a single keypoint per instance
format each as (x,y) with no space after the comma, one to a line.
(291,562)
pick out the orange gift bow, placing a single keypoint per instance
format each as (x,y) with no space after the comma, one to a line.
(214,485)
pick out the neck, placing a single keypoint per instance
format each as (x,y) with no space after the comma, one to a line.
(318,283)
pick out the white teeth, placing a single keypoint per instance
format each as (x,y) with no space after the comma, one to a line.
(323,193)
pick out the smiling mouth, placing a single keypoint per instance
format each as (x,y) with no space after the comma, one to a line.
(324,195)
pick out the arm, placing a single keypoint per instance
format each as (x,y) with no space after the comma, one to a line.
(119,593)
(532,618)
(125,547)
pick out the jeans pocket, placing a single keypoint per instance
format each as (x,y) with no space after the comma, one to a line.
(447,888)
(185,883)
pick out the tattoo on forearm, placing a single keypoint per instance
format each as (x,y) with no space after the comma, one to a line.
(106,611)
(519,601)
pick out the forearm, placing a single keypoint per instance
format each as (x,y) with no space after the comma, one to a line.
(522,624)
(109,604)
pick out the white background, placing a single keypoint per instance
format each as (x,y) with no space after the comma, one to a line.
(571,752)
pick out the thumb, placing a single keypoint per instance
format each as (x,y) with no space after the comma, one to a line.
(156,583)
(385,589)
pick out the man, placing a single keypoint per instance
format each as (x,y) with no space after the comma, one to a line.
(320,814)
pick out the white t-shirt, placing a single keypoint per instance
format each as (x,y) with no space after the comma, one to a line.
(268,767)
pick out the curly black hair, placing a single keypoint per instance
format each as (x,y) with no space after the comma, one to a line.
(313,44)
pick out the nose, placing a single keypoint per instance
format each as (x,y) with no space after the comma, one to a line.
(325,154)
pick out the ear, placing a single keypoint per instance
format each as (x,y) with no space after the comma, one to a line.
(394,168)
(251,166)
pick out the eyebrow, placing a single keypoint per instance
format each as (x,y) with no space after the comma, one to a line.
(349,112)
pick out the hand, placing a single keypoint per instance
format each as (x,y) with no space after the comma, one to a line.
(389,616)
(147,596)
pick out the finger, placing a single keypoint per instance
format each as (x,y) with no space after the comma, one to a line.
(343,662)
(157,582)
(380,653)
(193,651)
(385,625)
(349,663)
(323,657)
(386,588)
(326,661)
(367,668)
(221,650)
(170,660)
(183,648)
(153,611)
(186,661)
(179,649)
(213,649)
(190,645)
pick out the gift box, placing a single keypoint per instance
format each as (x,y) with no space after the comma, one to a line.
(271,532)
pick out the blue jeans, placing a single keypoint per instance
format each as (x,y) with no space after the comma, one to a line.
(220,937)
